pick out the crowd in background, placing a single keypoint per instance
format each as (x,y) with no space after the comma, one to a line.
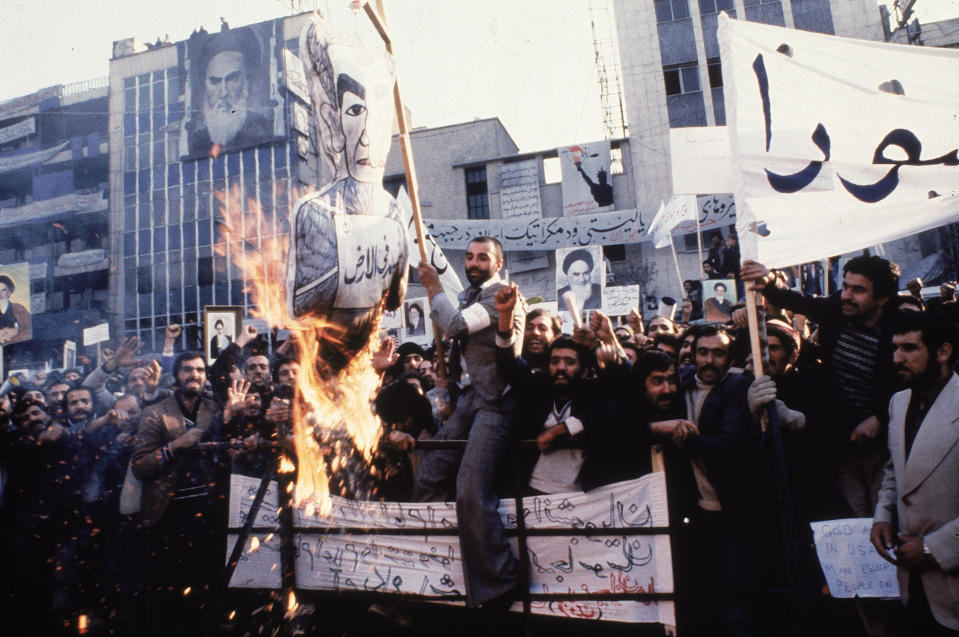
(114,489)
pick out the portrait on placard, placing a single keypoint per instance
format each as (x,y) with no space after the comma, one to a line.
(582,272)
(14,303)
(719,297)
(419,327)
(220,323)
(415,317)
(231,93)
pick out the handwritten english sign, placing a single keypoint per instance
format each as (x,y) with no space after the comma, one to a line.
(850,563)
(429,564)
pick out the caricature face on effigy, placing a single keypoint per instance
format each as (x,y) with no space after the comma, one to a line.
(351,84)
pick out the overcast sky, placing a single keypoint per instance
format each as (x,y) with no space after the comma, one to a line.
(529,62)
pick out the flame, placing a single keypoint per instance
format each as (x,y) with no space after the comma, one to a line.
(291,604)
(83,623)
(254,544)
(334,416)
(186,591)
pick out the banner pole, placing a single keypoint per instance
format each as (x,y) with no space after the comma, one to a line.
(679,275)
(378,17)
(699,244)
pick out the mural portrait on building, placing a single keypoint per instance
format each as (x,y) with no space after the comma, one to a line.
(14,303)
(230,91)
(349,251)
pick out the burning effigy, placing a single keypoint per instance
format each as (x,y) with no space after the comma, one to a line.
(346,261)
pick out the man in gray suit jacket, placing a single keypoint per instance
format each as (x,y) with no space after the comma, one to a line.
(917,516)
(481,417)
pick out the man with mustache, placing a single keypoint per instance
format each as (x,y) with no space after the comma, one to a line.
(916,524)
(490,568)
(726,472)
(78,404)
(179,502)
(855,336)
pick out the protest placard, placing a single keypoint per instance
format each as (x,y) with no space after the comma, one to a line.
(850,563)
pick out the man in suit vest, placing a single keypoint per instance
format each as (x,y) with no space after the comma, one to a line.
(490,568)
(916,525)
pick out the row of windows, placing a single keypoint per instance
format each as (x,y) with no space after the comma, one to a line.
(684,78)
(672,10)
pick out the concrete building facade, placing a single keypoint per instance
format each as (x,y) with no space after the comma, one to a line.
(54,197)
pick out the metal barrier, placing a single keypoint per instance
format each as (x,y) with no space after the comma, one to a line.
(288,530)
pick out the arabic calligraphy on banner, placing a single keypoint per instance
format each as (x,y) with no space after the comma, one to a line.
(550,233)
(429,564)
(852,138)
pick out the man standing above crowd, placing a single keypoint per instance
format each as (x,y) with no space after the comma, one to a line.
(917,518)
(491,570)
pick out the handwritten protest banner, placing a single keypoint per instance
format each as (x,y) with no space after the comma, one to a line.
(620,299)
(850,563)
(519,189)
(429,564)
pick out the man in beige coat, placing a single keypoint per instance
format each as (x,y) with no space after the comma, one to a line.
(916,525)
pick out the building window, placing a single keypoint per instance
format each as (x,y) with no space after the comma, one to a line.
(477,195)
(715,6)
(616,161)
(715,70)
(681,79)
(669,10)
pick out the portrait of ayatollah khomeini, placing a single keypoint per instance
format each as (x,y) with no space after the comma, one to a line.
(230,93)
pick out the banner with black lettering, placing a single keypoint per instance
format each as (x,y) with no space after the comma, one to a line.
(839,144)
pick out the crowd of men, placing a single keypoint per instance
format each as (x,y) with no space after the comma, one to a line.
(115,483)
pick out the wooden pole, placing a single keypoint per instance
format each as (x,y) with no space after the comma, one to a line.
(378,17)
(699,244)
(679,274)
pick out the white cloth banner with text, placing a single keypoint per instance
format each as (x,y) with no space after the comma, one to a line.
(429,564)
(679,209)
(839,144)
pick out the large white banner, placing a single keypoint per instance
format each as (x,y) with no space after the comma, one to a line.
(840,144)
(429,564)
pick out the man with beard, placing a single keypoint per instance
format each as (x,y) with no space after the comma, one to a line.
(78,404)
(578,268)
(490,568)
(179,501)
(229,120)
(916,525)
(855,326)
(42,507)
(349,252)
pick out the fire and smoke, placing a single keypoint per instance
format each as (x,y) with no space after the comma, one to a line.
(334,429)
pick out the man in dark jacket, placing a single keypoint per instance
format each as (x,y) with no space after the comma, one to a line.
(179,498)
(855,335)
